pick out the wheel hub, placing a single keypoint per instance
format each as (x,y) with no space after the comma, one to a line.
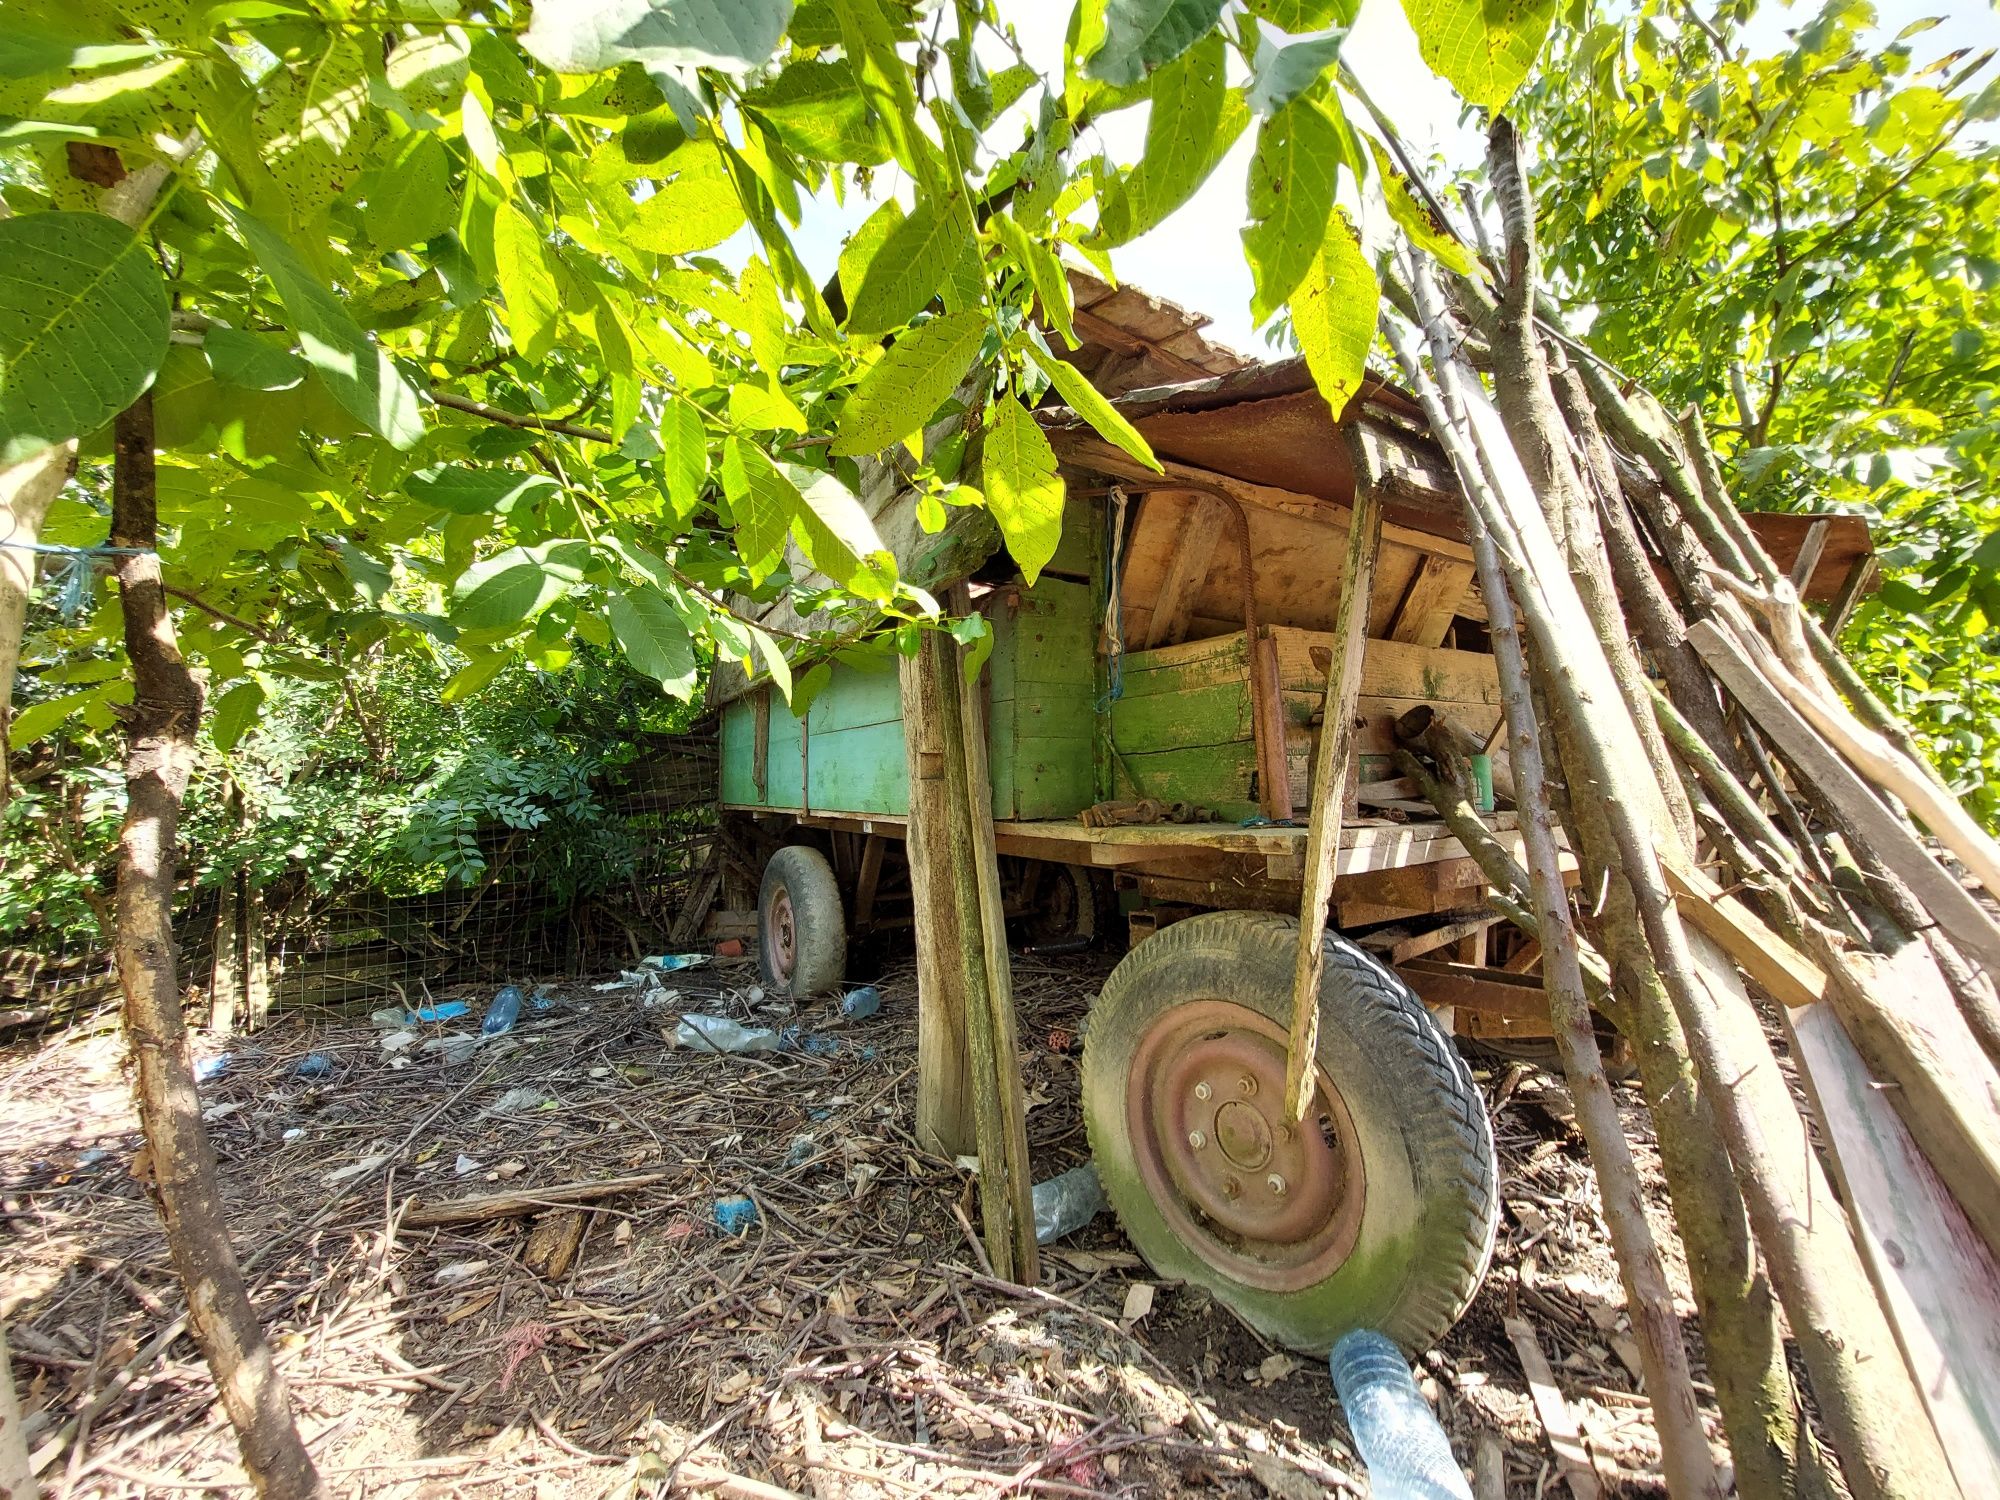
(1268,1202)
(784,936)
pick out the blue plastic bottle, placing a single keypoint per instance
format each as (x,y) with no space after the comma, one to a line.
(503,1012)
(1407,1453)
(861,1003)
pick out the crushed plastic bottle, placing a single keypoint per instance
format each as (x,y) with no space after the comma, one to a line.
(667,963)
(1065,1204)
(735,1215)
(811,1043)
(390,1018)
(503,1012)
(1407,1453)
(544,998)
(801,1151)
(314,1065)
(211,1068)
(443,1010)
(720,1034)
(858,1005)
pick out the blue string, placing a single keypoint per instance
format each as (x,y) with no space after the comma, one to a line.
(73,579)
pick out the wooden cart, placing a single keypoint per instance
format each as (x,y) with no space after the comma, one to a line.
(1177,657)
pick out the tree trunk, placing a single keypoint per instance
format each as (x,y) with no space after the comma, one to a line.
(166,710)
(17,1477)
(1685,1459)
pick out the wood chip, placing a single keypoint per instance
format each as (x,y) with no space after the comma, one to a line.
(1138,1302)
(1558,1423)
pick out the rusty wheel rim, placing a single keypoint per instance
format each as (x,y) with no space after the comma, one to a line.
(784,936)
(1267,1203)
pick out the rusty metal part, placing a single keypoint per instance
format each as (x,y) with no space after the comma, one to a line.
(784,938)
(1269,1204)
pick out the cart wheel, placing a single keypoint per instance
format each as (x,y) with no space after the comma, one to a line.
(1378,1211)
(801,929)
(1068,904)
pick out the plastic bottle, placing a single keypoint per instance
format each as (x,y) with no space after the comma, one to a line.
(503,1012)
(859,1004)
(1482,782)
(720,1034)
(735,1215)
(1065,1204)
(1407,1453)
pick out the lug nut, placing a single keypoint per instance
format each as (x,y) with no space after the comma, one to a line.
(1232,1189)
(1276,1184)
(1202,1091)
(1285,1133)
(1196,1139)
(1246,1085)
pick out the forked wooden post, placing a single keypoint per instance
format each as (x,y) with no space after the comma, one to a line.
(967,941)
(944,1093)
(1327,790)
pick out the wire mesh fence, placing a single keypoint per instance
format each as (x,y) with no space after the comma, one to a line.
(247,952)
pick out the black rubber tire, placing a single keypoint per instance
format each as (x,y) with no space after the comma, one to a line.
(819,923)
(1083,896)
(1431,1205)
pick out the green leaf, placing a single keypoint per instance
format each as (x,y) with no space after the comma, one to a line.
(38,720)
(1484,50)
(817,109)
(1196,117)
(83,327)
(1291,198)
(1142,35)
(683,454)
(1045,273)
(762,501)
(411,199)
(864,244)
(869,40)
(694,207)
(973,633)
(27,51)
(754,405)
(774,661)
(1089,403)
(358,373)
(1022,489)
(909,267)
(254,361)
(510,588)
(1416,220)
(909,382)
(1305,15)
(467,491)
(654,639)
(586,36)
(1284,73)
(835,533)
(809,687)
(234,713)
(1334,312)
(527,281)
(475,674)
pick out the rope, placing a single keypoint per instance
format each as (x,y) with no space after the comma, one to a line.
(1114,603)
(73,578)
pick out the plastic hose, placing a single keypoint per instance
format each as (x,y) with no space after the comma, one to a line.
(1407,1453)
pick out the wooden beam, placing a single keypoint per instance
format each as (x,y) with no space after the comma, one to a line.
(1095,330)
(1937,890)
(1784,973)
(1485,991)
(1857,582)
(1439,937)
(872,849)
(1810,552)
(1425,613)
(1187,568)
(944,1065)
(1274,790)
(1326,794)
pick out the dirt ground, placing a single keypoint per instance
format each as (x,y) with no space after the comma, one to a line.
(846,1344)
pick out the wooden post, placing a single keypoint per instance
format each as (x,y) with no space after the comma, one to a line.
(256,966)
(225,988)
(965,984)
(944,1095)
(1327,790)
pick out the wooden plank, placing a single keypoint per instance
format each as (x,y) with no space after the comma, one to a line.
(1558,1422)
(1810,552)
(1328,798)
(1439,937)
(1426,611)
(1274,779)
(1964,921)
(1783,972)
(1490,992)
(944,1093)
(517,1202)
(1187,568)
(760,743)
(256,961)
(1938,1282)
(225,990)
(1859,578)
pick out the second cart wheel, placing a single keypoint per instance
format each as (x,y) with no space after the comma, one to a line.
(1376,1211)
(1067,903)
(801,928)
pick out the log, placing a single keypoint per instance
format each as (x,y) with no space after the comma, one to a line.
(516,1202)
(1327,793)
(1784,973)
(1887,836)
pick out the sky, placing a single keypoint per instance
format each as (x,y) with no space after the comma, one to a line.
(1196,258)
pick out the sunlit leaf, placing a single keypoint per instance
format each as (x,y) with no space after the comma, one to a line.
(1023,490)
